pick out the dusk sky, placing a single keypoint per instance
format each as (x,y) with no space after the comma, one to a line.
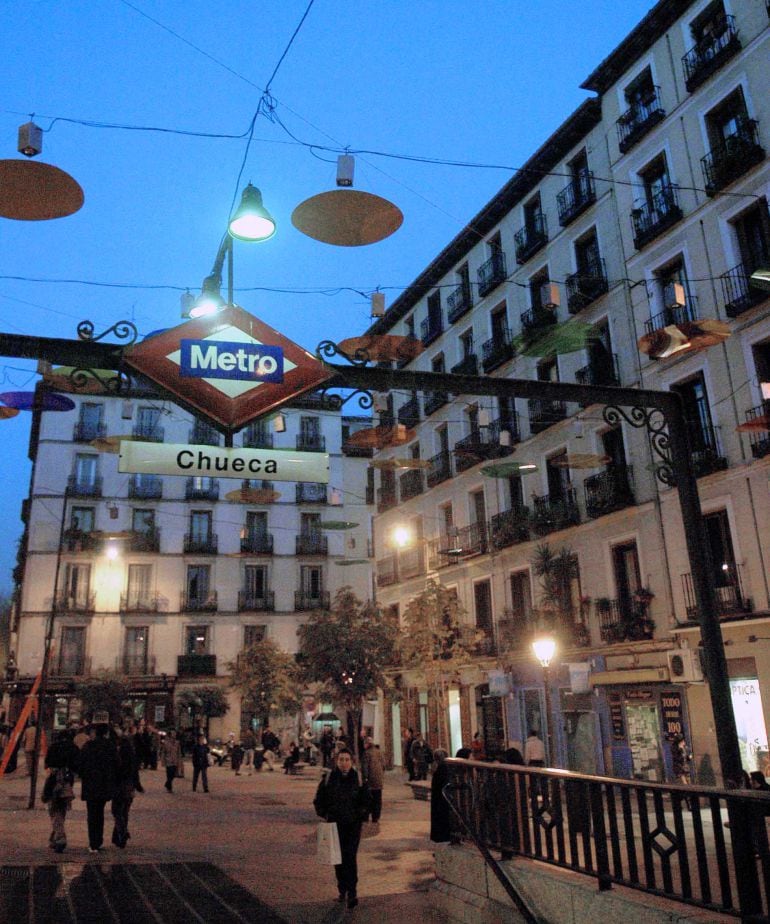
(483,82)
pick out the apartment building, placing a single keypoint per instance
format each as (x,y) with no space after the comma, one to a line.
(646,209)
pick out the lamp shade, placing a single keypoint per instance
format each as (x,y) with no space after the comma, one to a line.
(210,299)
(252,221)
(544,648)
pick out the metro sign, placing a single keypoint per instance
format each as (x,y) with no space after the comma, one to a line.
(230,367)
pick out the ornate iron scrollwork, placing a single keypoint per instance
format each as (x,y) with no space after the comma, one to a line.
(124,331)
(328,349)
(654,421)
(336,402)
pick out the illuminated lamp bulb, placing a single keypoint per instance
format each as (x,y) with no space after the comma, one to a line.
(252,222)
(401,536)
(112,552)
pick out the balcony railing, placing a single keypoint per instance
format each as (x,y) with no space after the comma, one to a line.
(676,314)
(433,401)
(152,433)
(543,413)
(553,512)
(497,350)
(409,413)
(440,468)
(309,492)
(604,372)
(531,238)
(141,665)
(509,527)
(202,435)
(431,328)
(459,302)
(711,52)
(257,439)
(468,365)
(411,484)
(144,540)
(258,543)
(148,487)
(313,543)
(75,603)
(576,197)
(198,603)
(514,630)
(311,442)
(732,157)
(728,588)
(201,489)
(196,665)
(485,647)
(586,285)
(654,216)
(258,602)
(465,542)
(82,487)
(77,540)
(608,491)
(639,119)
(139,602)
(386,499)
(387,571)
(492,273)
(304,600)
(705,449)
(483,443)
(537,319)
(759,438)
(84,431)
(201,545)
(352,451)
(72,666)
(739,294)
(623,620)
(411,563)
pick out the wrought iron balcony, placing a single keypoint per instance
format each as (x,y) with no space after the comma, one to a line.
(468,365)
(312,543)
(675,314)
(308,492)
(485,647)
(732,157)
(411,484)
(411,563)
(599,373)
(85,431)
(204,435)
(409,413)
(711,52)
(78,540)
(144,540)
(152,433)
(257,543)
(509,527)
(655,215)
(77,665)
(728,587)
(514,630)
(431,328)
(135,601)
(497,350)
(484,443)
(492,273)
(739,294)
(356,452)
(639,119)
(553,512)
(75,603)
(459,302)
(531,238)
(257,602)
(434,400)
(544,413)
(201,545)
(141,665)
(257,439)
(537,319)
(311,442)
(83,487)
(145,487)
(386,499)
(440,468)
(586,285)
(465,542)
(196,665)
(623,620)
(387,571)
(198,603)
(201,489)
(608,491)
(705,450)
(576,197)
(760,438)
(304,600)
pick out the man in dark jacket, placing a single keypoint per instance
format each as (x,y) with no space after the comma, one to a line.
(62,761)
(127,784)
(99,773)
(200,762)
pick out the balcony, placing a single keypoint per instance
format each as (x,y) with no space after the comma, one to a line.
(483,443)
(586,285)
(258,543)
(599,373)
(411,484)
(84,487)
(145,487)
(509,527)
(256,602)
(576,197)
(141,665)
(492,273)
(738,293)
(309,492)
(77,665)
(312,543)
(676,314)
(760,437)
(139,602)
(732,157)
(514,630)
(705,450)
(459,302)
(531,238)
(195,544)
(440,468)
(728,588)
(304,600)
(608,491)
(623,620)
(485,647)
(409,413)
(711,52)
(465,542)
(554,512)
(77,540)
(386,499)
(387,571)
(497,350)
(144,540)
(257,439)
(655,215)
(198,603)
(544,414)
(86,431)
(151,433)
(433,401)
(537,319)
(431,328)
(204,435)
(356,452)
(311,442)
(196,665)
(75,603)
(411,563)
(201,489)
(468,365)
(639,119)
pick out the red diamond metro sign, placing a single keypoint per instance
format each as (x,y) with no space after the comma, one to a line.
(230,366)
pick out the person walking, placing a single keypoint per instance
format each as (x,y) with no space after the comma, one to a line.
(99,775)
(236,757)
(373,772)
(61,761)
(341,798)
(127,786)
(292,758)
(477,747)
(326,747)
(249,744)
(170,758)
(271,746)
(422,757)
(440,812)
(200,762)
(28,742)
(408,759)
(534,750)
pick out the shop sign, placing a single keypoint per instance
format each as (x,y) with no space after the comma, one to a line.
(673,718)
(616,717)
(644,695)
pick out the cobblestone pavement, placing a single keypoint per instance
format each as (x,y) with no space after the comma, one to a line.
(243,852)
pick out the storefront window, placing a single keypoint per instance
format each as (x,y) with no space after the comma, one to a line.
(750,724)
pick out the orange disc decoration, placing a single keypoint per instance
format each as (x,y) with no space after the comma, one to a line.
(380,437)
(32,191)
(7,412)
(382,347)
(253,495)
(347,218)
(755,425)
(580,460)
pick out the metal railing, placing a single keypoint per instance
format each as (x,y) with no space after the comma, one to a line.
(411,563)
(386,498)
(706,451)
(732,157)
(84,432)
(150,432)
(711,52)
(497,350)
(142,665)
(78,540)
(196,665)
(576,197)
(311,442)
(459,302)
(536,318)
(387,571)
(263,602)
(639,119)
(739,294)
(304,600)
(71,666)
(586,285)
(433,401)
(604,372)
(310,492)
(543,413)
(468,365)
(759,438)
(75,603)
(139,601)
(431,328)
(409,413)
(312,543)
(410,484)
(197,544)
(623,620)
(655,215)
(197,603)
(728,588)
(484,443)
(529,239)
(146,487)
(554,512)
(440,468)
(201,489)
(464,542)
(673,314)
(78,487)
(491,273)
(203,435)
(257,439)
(608,491)
(144,540)
(257,543)
(509,527)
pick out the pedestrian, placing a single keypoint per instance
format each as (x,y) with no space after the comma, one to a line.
(128,784)
(408,759)
(440,813)
(154,747)
(81,736)
(248,743)
(200,762)
(308,744)
(341,798)
(271,745)
(373,772)
(534,750)
(61,761)
(236,758)
(681,758)
(512,754)
(422,757)
(326,746)
(99,775)
(477,747)
(292,758)
(28,743)
(170,757)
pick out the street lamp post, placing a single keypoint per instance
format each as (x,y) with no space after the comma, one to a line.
(544,647)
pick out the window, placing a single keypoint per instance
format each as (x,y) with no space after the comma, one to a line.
(499,323)
(674,293)
(409,325)
(198,582)
(310,524)
(200,526)
(196,640)
(628,579)
(587,255)
(310,427)
(77,586)
(478,508)
(437,364)
(311,581)
(612,446)
(482,598)
(643,113)
(507,411)
(656,182)
(464,280)
(442,438)
(658,206)
(704,439)
(143,522)
(434,310)
(601,369)
(515,493)
(90,424)
(256,524)
(139,587)
(258,435)
(253,634)
(709,24)
(446,519)
(255,581)
(721,547)
(472,419)
(533,214)
(202,484)
(537,286)
(135,649)
(558,476)
(85,470)
(752,230)
(82,519)
(641,89)
(466,344)
(521,597)
(148,423)
(548,371)
(72,653)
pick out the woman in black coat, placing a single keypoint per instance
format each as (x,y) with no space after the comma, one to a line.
(62,762)
(341,798)
(440,813)
(99,772)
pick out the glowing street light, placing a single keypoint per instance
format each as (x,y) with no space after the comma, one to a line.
(544,647)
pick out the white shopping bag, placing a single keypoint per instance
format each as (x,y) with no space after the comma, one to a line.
(328,851)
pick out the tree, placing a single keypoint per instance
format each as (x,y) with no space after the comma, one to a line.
(204,703)
(438,641)
(267,679)
(346,650)
(104,692)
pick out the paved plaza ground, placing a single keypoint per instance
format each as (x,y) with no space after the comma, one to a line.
(243,852)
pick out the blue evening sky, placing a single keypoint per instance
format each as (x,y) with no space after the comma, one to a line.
(485,81)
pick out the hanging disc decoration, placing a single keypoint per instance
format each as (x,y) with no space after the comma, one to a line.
(380,437)
(6,413)
(351,561)
(337,524)
(25,401)
(381,347)
(755,425)
(508,469)
(347,218)
(580,460)
(568,337)
(110,443)
(32,191)
(253,495)
(691,336)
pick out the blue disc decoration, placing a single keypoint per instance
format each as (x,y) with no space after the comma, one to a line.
(25,401)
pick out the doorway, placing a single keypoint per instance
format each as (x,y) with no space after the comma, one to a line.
(644,740)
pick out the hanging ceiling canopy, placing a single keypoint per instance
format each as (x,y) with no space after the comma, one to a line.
(347,218)
(32,191)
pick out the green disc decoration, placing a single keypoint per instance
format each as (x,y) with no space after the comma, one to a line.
(568,337)
(337,524)
(508,469)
